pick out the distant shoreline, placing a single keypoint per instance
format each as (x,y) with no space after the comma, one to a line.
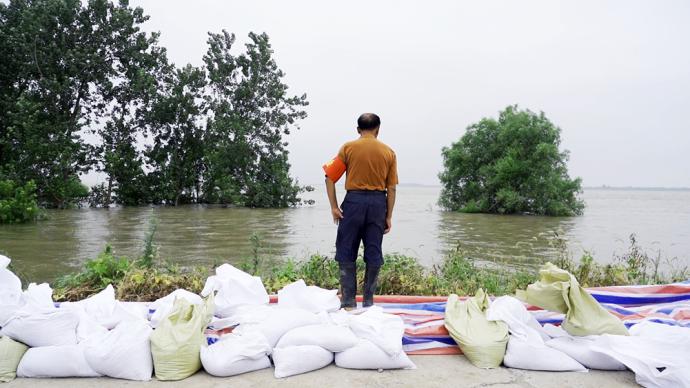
(612,188)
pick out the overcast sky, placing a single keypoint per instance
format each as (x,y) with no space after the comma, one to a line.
(614,75)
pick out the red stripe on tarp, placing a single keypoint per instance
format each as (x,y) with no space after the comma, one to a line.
(392,299)
(436,351)
(635,290)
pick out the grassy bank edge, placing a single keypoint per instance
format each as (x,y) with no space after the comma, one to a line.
(148,277)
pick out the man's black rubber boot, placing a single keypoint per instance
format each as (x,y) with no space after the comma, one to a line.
(348,285)
(370,277)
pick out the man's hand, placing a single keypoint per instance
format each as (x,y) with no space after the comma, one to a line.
(389,225)
(337,215)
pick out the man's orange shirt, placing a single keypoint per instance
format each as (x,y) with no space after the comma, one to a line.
(371,165)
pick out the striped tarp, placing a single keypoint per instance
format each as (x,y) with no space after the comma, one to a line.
(425,332)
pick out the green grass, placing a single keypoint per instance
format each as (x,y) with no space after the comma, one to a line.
(148,277)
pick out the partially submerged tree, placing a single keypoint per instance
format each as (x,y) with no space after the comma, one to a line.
(246,156)
(176,121)
(70,67)
(510,165)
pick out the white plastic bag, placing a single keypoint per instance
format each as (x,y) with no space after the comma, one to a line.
(366,355)
(330,337)
(38,296)
(55,361)
(520,322)
(162,306)
(43,328)
(527,355)
(384,330)
(294,360)
(123,353)
(10,290)
(278,322)
(235,354)
(235,288)
(526,348)
(104,308)
(311,298)
(580,349)
(657,353)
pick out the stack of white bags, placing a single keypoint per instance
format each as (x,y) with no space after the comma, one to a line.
(658,354)
(304,332)
(101,336)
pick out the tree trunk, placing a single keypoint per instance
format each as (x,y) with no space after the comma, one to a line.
(106,200)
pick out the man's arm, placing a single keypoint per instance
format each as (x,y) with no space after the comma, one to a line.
(335,209)
(390,199)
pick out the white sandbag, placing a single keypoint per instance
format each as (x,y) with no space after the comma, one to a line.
(680,336)
(521,323)
(235,288)
(366,355)
(333,338)
(123,353)
(43,328)
(656,362)
(235,354)
(5,262)
(38,296)
(554,331)
(104,308)
(88,328)
(247,314)
(162,306)
(384,330)
(55,361)
(295,360)
(527,355)
(311,298)
(10,291)
(580,349)
(526,348)
(278,322)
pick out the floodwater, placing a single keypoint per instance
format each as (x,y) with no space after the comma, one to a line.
(207,234)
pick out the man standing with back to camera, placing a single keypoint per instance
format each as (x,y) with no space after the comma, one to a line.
(367,210)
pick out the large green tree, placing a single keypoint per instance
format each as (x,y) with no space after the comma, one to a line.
(177,123)
(510,165)
(50,68)
(246,157)
(139,68)
(215,134)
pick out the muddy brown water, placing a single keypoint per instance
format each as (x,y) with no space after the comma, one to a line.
(191,235)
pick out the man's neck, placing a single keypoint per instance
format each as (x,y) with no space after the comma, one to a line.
(367,134)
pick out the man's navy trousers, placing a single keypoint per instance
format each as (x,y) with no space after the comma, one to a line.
(364,219)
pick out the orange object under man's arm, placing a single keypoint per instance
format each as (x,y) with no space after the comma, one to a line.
(334,171)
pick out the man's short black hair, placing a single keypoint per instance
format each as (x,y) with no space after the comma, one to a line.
(368,121)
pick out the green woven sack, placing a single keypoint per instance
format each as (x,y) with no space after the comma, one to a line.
(482,341)
(558,290)
(11,352)
(176,342)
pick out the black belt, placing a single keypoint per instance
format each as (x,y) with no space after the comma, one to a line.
(367,191)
